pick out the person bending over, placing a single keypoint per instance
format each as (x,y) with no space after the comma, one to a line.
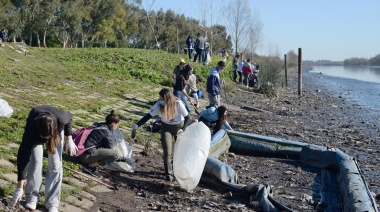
(45,125)
(175,119)
(215,117)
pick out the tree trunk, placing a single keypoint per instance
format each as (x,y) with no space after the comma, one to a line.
(38,39)
(44,39)
(30,39)
(178,50)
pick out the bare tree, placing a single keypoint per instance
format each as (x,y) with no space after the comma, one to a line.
(238,22)
(211,13)
(147,10)
(255,32)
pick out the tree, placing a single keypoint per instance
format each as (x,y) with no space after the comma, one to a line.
(375,61)
(238,18)
(292,59)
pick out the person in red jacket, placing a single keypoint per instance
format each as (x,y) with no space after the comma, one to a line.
(247,70)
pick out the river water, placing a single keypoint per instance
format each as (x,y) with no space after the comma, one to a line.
(360,86)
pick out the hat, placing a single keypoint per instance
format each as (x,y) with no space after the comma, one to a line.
(181,60)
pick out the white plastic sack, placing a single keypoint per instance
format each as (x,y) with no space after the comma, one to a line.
(193,53)
(128,162)
(208,59)
(190,155)
(5,109)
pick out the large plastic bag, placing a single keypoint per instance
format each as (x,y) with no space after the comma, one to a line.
(5,109)
(190,154)
(127,163)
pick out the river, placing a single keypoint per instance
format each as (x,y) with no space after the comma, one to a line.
(360,86)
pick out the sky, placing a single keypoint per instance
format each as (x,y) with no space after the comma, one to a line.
(324,29)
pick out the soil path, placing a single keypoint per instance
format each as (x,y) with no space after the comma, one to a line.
(316,117)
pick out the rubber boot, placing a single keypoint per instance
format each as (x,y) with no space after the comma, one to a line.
(169,175)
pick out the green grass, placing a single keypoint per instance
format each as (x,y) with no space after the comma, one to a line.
(89,81)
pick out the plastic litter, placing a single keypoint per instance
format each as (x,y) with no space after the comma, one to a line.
(190,155)
(5,109)
(127,162)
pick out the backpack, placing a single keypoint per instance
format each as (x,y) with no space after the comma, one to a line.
(80,136)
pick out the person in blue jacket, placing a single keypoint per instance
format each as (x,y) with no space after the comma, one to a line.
(214,85)
(215,117)
(190,45)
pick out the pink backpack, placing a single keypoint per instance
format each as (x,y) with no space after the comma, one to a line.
(79,137)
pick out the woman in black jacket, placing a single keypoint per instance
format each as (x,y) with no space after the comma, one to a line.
(45,125)
(99,144)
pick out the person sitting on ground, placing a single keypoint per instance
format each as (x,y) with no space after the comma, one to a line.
(99,145)
(178,69)
(191,88)
(214,117)
(175,119)
(179,88)
(45,125)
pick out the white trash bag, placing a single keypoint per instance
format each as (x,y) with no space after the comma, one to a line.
(190,154)
(127,163)
(5,109)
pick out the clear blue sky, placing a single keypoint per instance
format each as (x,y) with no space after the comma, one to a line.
(324,29)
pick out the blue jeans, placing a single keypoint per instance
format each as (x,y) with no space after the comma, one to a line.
(204,56)
(180,95)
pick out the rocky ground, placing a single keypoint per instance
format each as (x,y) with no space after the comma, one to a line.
(316,118)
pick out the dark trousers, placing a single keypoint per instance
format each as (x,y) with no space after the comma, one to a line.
(198,54)
(234,75)
(245,80)
(240,76)
(189,51)
(103,156)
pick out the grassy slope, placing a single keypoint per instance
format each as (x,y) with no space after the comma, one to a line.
(87,82)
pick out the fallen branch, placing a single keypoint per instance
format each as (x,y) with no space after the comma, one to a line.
(254,109)
(91,178)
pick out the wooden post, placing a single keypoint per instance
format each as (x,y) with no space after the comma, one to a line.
(286,72)
(299,71)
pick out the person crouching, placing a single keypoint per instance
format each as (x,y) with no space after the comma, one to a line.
(99,144)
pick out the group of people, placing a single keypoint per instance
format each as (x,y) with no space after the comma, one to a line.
(201,48)
(4,35)
(246,69)
(47,125)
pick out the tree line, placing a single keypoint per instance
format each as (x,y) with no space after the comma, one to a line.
(373,61)
(103,23)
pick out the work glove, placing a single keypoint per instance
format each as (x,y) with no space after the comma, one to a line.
(134,130)
(71,148)
(16,197)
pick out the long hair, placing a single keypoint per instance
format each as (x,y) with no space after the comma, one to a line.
(112,118)
(47,126)
(221,113)
(169,110)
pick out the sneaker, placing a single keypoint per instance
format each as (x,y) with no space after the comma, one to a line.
(90,170)
(31,206)
(53,209)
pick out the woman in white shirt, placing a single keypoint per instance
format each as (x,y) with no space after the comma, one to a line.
(175,119)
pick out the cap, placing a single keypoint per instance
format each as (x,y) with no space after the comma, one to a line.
(181,60)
